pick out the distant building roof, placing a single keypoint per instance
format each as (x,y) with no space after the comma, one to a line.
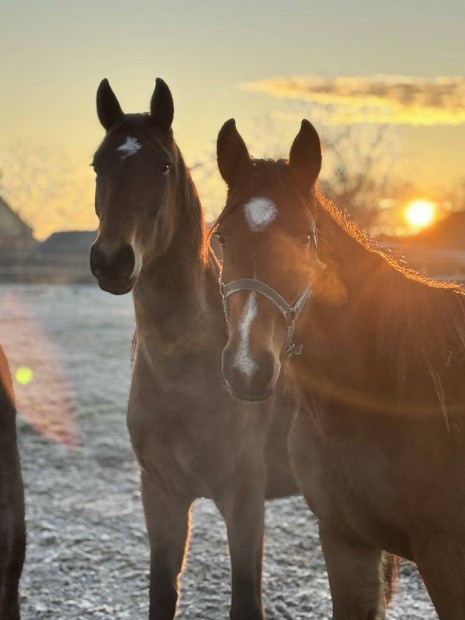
(69,241)
(11,225)
(447,233)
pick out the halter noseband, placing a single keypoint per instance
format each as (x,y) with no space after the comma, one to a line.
(290,313)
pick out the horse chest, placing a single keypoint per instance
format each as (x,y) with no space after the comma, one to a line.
(188,435)
(174,441)
(346,483)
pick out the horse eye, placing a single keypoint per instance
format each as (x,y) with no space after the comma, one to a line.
(307,238)
(165,168)
(221,239)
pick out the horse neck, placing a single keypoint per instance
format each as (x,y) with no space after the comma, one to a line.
(339,330)
(361,272)
(392,343)
(169,293)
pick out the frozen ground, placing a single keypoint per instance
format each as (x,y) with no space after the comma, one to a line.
(88,550)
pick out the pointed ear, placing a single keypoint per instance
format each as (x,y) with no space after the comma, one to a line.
(232,153)
(305,156)
(108,109)
(162,106)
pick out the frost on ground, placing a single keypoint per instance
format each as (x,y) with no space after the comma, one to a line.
(88,552)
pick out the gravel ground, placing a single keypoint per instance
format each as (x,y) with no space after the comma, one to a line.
(87,547)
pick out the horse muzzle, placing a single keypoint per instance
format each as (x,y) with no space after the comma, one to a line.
(250,378)
(113,265)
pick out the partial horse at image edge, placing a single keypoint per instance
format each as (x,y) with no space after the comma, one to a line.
(12,524)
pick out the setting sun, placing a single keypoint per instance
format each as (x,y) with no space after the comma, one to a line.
(420,213)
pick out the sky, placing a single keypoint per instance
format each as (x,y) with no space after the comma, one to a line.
(266,63)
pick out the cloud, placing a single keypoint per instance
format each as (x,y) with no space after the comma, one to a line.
(379,99)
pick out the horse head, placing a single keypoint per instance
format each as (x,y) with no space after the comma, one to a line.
(268,236)
(135,167)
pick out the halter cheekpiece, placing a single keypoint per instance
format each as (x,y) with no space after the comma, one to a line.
(290,313)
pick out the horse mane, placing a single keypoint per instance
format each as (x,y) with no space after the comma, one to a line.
(421,321)
(186,197)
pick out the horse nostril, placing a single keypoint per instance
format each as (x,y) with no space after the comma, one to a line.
(124,261)
(112,261)
(267,364)
(253,378)
(226,359)
(95,260)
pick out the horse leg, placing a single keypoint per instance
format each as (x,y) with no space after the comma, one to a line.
(441,562)
(17,552)
(243,509)
(167,517)
(11,591)
(355,572)
(11,596)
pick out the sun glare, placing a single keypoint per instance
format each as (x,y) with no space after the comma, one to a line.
(24,375)
(420,213)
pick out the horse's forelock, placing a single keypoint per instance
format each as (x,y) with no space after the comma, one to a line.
(262,177)
(141,127)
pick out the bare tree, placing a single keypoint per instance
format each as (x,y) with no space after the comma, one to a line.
(359,170)
(359,163)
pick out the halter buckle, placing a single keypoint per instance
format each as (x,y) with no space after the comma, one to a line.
(294,349)
(290,348)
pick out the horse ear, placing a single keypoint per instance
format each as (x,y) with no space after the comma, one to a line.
(305,156)
(232,153)
(108,109)
(161,105)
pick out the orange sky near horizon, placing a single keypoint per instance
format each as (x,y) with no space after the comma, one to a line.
(263,63)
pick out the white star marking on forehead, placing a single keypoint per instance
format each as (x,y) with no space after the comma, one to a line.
(259,212)
(130,147)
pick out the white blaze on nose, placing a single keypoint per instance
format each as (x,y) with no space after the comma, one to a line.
(259,212)
(244,361)
(130,147)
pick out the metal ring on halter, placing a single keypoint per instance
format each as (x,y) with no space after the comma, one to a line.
(290,313)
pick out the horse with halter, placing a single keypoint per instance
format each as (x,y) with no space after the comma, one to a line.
(377,356)
(191,437)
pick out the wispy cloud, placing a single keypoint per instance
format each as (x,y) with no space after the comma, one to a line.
(382,99)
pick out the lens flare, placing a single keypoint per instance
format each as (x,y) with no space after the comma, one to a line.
(24,375)
(44,395)
(420,213)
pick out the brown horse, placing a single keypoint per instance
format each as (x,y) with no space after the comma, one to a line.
(12,527)
(191,438)
(377,354)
